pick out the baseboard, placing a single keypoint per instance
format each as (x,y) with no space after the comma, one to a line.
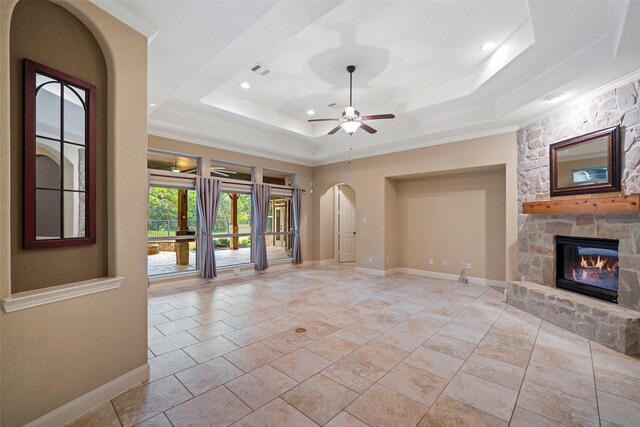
(330,261)
(83,404)
(170,282)
(448,276)
(372,271)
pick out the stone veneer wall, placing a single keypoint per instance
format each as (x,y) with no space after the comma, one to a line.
(536,232)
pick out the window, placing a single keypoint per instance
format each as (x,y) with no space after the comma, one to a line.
(59,159)
(171,230)
(277,177)
(232,233)
(279,231)
(168,162)
(226,170)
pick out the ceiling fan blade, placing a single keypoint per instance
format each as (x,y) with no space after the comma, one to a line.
(379,117)
(367,128)
(334,130)
(323,120)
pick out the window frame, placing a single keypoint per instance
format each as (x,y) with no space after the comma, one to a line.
(30,240)
(251,234)
(273,216)
(163,172)
(177,185)
(230,180)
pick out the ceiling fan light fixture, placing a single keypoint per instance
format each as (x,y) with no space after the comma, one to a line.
(349,111)
(350,127)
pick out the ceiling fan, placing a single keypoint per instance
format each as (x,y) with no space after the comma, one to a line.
(351,119)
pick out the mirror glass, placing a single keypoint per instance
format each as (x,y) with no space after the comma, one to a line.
(74,204)
(47,214)
(61,159)
(583,164)
(74,167)
(48,108)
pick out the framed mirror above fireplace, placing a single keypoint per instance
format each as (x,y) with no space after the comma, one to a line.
(586,164)
(588,266)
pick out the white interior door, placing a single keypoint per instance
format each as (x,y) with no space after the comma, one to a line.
(346,224)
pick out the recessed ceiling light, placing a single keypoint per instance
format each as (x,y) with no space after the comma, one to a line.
(555,97)
(310,112)
(153,104)
(245,85)
(488,46)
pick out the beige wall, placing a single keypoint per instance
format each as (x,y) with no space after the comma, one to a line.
(368,177)
(78,54)
(55,353)
(302,174)
(455,217)
(392,224)
(326,224)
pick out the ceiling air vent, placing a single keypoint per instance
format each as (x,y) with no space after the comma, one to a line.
(259,69)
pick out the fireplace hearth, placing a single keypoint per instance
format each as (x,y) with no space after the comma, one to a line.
(588,266)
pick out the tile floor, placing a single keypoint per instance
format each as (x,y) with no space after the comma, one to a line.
(380,351)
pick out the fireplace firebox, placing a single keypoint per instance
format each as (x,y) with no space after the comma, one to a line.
(588,266)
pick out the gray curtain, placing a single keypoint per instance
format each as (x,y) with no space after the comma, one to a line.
(208,195)
(297,205)
(261,198)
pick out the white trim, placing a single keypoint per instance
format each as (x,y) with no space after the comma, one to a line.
(83,404)
(123,14)
(38,297)
(599,91)
(372,271)
(448,276)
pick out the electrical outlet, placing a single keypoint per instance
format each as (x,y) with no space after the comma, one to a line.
(445,263)
(523,278)
(464,265)
(364,219)
(430,261)
(468,266)
(370,259)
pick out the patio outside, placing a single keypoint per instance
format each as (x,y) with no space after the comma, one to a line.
(172,229)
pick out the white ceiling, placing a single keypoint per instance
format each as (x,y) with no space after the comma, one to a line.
(420,60)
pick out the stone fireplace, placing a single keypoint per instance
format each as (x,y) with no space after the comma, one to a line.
(588,266)
(543,239)
(537,233)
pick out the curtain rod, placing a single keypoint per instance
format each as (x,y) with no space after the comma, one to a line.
(249,184)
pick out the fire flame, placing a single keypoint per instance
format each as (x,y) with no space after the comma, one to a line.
(600,263)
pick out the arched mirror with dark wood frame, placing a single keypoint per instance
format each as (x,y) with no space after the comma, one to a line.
(59,159)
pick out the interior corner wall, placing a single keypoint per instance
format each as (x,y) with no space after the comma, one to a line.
(326,224)
(55,353)
(368,177)
(392,224)
(456,217)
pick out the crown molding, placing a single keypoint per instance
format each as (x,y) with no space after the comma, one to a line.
(395,147)
(124,15)
(178,133)
(593,93)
